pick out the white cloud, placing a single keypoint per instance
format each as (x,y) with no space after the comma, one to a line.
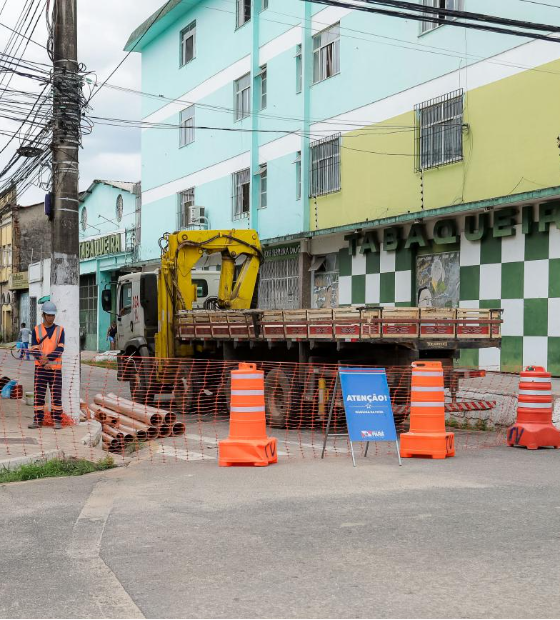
(103,30)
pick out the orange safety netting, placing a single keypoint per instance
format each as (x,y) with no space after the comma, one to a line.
(195,397)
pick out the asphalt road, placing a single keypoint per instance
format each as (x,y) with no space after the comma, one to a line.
(474,536)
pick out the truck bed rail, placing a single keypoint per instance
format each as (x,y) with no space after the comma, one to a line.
(344,324)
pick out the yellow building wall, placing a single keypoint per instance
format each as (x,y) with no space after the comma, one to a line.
(5,243)
(509,148)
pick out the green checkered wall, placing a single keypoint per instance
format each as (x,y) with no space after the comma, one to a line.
(520,274)
(384,279)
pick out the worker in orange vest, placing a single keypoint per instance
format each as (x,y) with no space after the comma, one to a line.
(47,346)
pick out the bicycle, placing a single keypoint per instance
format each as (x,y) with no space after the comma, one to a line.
(18,353)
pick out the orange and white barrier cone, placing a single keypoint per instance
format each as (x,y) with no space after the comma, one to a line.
(427,435)
(534,428)
(247,443)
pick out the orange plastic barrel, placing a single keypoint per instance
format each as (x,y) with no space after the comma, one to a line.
(247,443)
(427,436)
(534,428)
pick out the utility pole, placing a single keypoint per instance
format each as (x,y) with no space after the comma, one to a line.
(65,267)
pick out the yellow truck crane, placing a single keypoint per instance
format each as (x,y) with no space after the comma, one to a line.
(156,326)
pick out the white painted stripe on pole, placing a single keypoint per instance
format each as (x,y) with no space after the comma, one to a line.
(247,392)
(521,405)
(535,380)
(425,405)
(247,409)
(535,392)
(426,389)
(246,377)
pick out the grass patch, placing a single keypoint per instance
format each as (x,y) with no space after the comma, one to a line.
(55,468)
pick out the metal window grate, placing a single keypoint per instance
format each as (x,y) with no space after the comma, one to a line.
(325,166)
(279,285)
(453,5)
(439,131)
(186,201)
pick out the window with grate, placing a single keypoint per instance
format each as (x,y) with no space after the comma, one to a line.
(326,53)
(264,86)
(297,163)
(263,187)
(187,126)
(242,88)
(243,12)
(325,166)
(241,193)
(264,5)
(186,201)
(439,131)
(299,70)
(452,5)
(188,43)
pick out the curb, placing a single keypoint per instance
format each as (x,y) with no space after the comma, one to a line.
(14,463)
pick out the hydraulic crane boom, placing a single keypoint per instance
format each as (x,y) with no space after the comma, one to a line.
(176,291)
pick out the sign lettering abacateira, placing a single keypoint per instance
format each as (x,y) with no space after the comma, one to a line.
(446,231)
(280,252)
(104,246)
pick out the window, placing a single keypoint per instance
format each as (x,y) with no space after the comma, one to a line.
(188,43)
(297,162)
(243,12)
(264,5)
(453,5)
(125,299)
(439,131)
(241,193)
(186,202)
(325,166)
(187,126)
(264,86)
(83,219)
(263,187)
(242,97)
(201,288)
(299,70)
(326,53)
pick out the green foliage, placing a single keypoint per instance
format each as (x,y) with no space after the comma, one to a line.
(56,468)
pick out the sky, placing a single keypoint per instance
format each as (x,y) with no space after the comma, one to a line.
(103,29)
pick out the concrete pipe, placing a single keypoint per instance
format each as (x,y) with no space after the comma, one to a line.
(178,429)
(130,409)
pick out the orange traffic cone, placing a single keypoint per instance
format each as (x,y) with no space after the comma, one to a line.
(247,443)
(534,428)
(427,436)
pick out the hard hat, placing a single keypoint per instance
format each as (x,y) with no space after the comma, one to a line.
(49,308)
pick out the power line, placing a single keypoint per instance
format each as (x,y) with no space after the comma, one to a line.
(434,19)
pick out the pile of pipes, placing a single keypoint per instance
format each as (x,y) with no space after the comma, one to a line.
(125,422)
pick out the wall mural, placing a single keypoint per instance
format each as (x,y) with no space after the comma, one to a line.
(437,280)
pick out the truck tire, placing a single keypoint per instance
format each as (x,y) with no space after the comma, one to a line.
(278,398)
(142,382)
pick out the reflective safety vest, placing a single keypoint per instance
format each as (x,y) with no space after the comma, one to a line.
(48,345)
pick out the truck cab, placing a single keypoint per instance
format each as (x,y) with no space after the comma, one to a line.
(137,306)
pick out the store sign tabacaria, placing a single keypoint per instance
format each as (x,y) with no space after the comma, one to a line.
(104,246)
(446,230)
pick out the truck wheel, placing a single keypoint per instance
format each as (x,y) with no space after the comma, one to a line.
(142,384)
(278,398)
(183,395)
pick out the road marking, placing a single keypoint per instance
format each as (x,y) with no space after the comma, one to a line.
(214,442)
(85,544)
(184,455)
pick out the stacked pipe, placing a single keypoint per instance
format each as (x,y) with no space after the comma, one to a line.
(125,422)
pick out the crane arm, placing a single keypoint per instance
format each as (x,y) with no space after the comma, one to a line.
(176,290)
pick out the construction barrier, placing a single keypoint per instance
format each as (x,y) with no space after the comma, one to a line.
(427,435)
(479,408)
(533,428)
(247,443)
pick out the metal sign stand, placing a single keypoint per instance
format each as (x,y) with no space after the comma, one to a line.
(329,434)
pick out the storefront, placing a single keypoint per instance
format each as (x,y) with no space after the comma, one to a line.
(279,282)
(487,257)
(109,237)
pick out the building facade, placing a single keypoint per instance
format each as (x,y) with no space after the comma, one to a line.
(109,240)
(346,139)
